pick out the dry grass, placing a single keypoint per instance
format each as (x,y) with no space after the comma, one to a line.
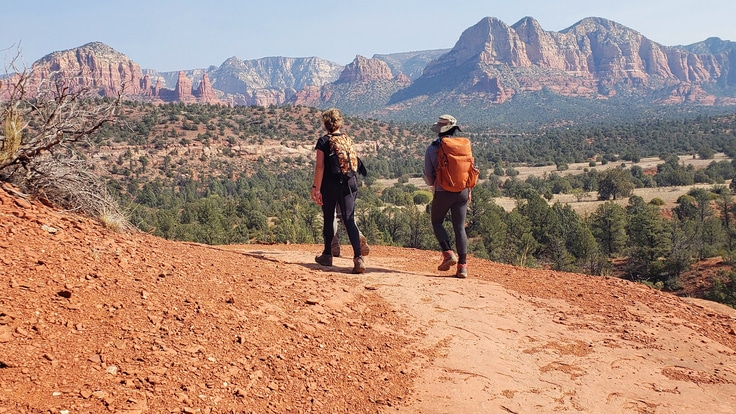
(68,183)
(667,194)
(114,219)
(644,163)
(11,141)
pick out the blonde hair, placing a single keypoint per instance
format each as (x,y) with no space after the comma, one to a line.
(332,119)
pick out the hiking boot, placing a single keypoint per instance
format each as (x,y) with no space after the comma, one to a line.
(449,259)
(358,265)
(364,248)
(335,246)
(324,259)
(462,271)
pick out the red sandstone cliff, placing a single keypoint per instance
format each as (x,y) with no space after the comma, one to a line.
(365,70)
(205,93)
(100,68)
(95,66)
(594,58)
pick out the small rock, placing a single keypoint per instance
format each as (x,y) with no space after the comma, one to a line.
(23,203)
(5,334)
(99,394)
(64,294)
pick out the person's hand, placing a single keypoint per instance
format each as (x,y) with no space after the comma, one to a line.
(316,196)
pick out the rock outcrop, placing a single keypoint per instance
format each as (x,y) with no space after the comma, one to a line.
(94,66)
(147,89)
(594,57)
(310,96)
(271,80)
(204,92)
(365,70)
(106,72)
(183,90)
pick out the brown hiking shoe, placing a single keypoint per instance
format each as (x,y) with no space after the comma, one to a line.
(449,259)
(358,265)
(324,259)
(462,271)
(335,246)
(364,248)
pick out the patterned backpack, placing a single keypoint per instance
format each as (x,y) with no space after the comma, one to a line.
(343,159)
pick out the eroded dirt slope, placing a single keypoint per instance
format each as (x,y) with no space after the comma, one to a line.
(94,321)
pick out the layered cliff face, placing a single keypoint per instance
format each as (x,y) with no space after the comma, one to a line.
(94,66)
(490,64)
(595,57)
(98,67)
(365,70)
(364,84)
(271,80)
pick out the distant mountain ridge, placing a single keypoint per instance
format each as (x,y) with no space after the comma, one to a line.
(492,65)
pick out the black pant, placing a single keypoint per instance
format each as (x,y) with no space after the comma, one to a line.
(344,194)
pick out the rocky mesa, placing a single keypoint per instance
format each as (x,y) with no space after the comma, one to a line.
(107,72)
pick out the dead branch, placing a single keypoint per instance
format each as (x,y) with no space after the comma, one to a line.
(52,113)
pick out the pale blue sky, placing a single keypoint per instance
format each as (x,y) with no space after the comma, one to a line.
(169,35)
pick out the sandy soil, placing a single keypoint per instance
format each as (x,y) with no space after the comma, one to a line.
(93,321)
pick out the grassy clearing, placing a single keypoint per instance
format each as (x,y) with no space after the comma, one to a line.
(668,194)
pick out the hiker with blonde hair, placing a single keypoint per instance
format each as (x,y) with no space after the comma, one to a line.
(331,187)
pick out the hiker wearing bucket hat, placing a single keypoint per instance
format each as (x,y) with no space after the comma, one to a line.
(445,124)
(443,201)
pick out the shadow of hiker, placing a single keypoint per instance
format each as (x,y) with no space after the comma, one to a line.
(337,265)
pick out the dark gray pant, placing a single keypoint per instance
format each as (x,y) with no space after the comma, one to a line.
(457,204)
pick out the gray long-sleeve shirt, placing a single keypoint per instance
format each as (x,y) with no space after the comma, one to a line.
(430,165)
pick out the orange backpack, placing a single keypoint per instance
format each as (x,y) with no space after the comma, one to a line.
(456,169)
